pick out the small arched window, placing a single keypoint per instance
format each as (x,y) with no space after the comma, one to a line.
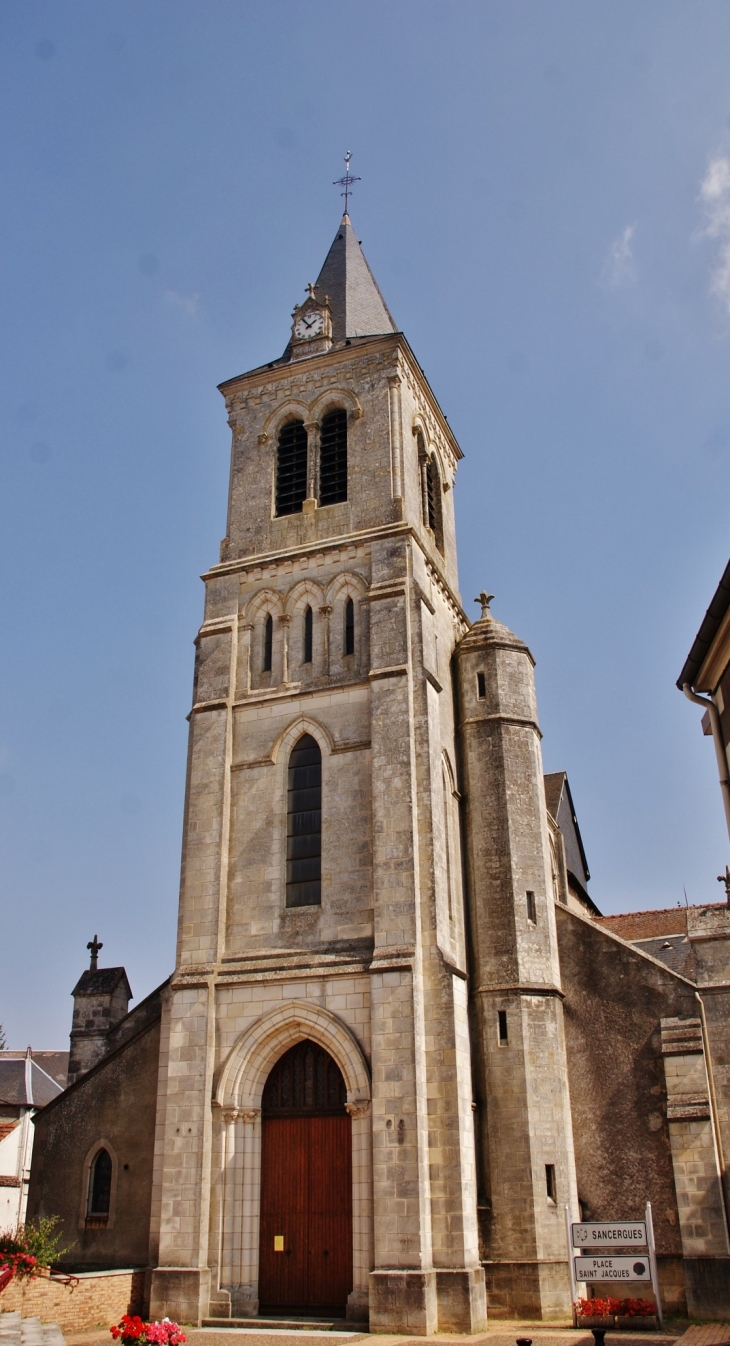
(100,1184)
(291,468)
(304,825)
(268,643)
(307,641)
(349,627)
(333,458)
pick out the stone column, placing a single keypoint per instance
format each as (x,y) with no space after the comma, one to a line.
(244,662)
(326,613)
(285,623)
(396,436)
(313,432)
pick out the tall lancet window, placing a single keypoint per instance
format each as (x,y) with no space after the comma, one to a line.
(433,502)
(291,468)
(100,1184)
(307,642)
(268,643)
(333,458)
(349,627)
(304,825)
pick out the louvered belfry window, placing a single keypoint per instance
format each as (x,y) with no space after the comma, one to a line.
(304,825)
(268,642)
(333,458)
(291,468)
(431,480)
(305,1079)
(349,627)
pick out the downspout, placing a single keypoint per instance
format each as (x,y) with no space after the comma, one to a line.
(713,1110)
(720,753)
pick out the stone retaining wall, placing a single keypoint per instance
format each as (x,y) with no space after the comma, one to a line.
(93,1299)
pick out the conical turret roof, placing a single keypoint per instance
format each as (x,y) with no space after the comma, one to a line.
(358,307)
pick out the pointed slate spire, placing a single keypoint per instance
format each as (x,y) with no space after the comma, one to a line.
(358,307)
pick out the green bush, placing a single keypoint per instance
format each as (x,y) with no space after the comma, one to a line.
(37,1239)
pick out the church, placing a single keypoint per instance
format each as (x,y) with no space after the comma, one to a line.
(399,1042)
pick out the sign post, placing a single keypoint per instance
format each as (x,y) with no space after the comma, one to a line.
(573,1286)
(652,1258)
(612,1250)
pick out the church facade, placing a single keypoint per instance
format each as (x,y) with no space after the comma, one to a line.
(387,1059)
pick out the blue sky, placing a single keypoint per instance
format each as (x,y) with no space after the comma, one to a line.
(545,202)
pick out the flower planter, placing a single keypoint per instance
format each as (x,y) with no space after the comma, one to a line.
(588,1321)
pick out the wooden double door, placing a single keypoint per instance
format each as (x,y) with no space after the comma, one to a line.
(305,1256)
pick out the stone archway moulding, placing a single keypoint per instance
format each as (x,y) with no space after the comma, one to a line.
(245,1071)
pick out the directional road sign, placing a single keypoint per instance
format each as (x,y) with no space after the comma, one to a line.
(612,1268)
(610,1234)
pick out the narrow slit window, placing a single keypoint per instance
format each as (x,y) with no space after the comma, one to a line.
(552,1191)
(481,686)
(100,1184)
(307,657)
(431,494)
(268,643)
(502,1026)
(333,458)
(304,825)
(531,909)
(349,627)
(291,468)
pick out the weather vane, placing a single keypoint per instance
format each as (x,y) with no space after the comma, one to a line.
(347,181)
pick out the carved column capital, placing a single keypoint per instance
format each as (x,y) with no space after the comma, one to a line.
(326,610)
(285,618)
(251,1114)
(359,1107)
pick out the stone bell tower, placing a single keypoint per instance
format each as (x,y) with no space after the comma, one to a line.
(321,893)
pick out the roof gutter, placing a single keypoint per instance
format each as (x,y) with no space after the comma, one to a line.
(720,753)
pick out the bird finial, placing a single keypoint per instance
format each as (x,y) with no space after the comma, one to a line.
(485,599)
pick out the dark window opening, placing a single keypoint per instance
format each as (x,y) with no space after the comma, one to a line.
(305,1079)
(531,910)
(349,627)
(291,468)
(333,458)
(307,656)
(100,1186)
(481,686)
(304,825)
(268,642)
(431,480)
(502,1025)
(550,1184)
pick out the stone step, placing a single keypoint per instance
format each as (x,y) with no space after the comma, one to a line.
(337,1325)
(17,1331)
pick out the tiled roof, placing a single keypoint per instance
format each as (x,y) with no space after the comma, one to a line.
(7,1181)
(6,1128)
(647,924)
(358,307)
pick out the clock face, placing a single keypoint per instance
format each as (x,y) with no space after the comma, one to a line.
(309,325)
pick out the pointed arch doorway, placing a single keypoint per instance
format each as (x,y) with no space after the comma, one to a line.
(305,1255)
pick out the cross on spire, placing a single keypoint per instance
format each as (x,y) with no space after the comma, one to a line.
(95,945)
(347,181)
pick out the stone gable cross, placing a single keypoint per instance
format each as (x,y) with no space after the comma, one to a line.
(95,946)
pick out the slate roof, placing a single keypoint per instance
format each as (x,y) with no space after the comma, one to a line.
(358,307)
(103,981)
(55,1064)
(17,1090)
(707,632)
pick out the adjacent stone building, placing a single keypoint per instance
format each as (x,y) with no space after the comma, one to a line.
(397,1042)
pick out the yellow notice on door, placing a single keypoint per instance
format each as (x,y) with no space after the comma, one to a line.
(278,1243)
